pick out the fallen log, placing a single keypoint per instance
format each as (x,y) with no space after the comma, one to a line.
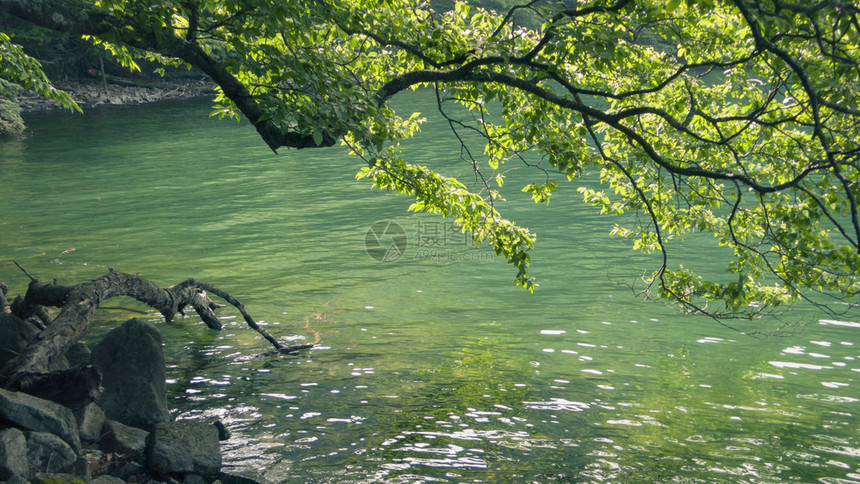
(78,304)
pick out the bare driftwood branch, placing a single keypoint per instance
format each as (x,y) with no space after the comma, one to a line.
(79,303)
(241,307)
(24,271)
(43,316)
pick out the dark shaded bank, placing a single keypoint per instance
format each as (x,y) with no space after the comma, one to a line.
(94,92)
(117,91)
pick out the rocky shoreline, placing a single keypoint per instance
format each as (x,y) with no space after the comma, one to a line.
(90,93)
(123,434)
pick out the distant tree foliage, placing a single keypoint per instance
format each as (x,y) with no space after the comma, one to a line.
(60,54)
(736,119)
(18,67)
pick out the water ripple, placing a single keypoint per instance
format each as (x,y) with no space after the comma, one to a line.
(557,404)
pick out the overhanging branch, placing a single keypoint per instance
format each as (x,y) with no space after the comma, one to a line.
(63,17)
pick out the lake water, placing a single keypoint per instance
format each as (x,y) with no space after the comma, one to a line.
(432,367)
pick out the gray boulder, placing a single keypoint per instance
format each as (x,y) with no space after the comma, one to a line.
(13,454)
(90,419)
(131,361)
(122,439)
(184,447)
(79,354)
(39,415)
(81,468)
(49,454)
(194,479)
(16,480)
(130,471)
(57,478)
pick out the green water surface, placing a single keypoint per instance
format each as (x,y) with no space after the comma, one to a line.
(432,367)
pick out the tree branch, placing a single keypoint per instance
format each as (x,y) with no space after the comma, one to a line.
(79,303)
(81,21)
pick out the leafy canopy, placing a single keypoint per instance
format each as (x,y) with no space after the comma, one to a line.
(15,65)
(735,119)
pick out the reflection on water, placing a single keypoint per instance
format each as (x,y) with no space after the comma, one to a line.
(432,369)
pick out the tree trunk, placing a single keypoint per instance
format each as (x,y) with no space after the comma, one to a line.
(79,303)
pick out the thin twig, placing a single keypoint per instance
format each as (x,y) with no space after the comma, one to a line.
(24,271)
